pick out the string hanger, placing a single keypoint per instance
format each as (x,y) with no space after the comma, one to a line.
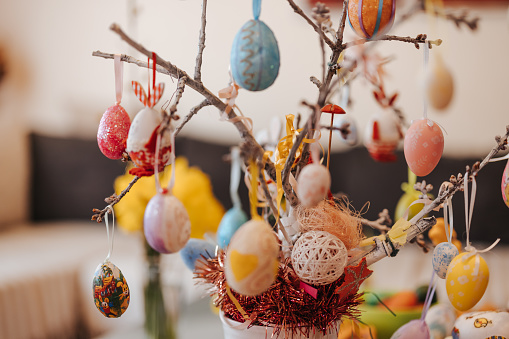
(109,209)
(119,77)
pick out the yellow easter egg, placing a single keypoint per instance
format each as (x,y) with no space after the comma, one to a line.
(466,280)
(251,261)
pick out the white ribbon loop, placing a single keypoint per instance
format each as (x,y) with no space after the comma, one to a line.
(235,178)
(110,239)
(119,71)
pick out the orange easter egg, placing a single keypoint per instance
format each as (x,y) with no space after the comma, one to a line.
(423,146)
(370,18)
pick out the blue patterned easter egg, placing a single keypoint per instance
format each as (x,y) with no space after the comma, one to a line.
(231,222)
(442,257)
(254,58)
(195,250)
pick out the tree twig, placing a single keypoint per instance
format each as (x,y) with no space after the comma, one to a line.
(111,201)
(419,39)
(201,43)
(192,112)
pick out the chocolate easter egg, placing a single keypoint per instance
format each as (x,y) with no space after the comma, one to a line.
(166,223)
(442,257)
(314,182)
(196,251)
(113,131)
(111,292)
(254,58)
(369,18)
(230,223)
(423,146)
(505,184)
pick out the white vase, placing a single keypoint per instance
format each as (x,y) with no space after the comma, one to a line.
(235,330)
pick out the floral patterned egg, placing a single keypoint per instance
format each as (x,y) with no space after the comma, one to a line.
(166,223)
(313,184)
(466,280)
(369,18)
(111,292)
(113,131)
(505,184)
(251,262)
(423,147)
(141,142)
(442,257)
(475,325)
(230,223)
(254,58)
(415,329)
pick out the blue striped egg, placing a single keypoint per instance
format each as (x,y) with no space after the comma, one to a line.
(254,58)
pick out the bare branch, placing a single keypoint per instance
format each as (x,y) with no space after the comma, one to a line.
(419,39)
(112,200)
(181,85)
(201,43)
(192,112)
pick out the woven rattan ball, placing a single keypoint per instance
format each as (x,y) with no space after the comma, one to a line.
(319,258)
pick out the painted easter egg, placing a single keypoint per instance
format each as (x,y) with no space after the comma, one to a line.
(415,329)
(442,257)
(111,292)
(113,131)
(439,84)
(141,141)
(423,147)
(475,325)
(251,262)
(382,135)
(254,58)
(230,223)
(195,251)
(341,120)
(319,258)
(505,184)
(440,319)
(466,280)
(313,184)
(369,18)
(166,223)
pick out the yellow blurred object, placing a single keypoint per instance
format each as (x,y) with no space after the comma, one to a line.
(351,329)
(192,187)
(409,196)
(437,234)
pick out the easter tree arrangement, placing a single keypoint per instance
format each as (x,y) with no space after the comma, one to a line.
(296,265)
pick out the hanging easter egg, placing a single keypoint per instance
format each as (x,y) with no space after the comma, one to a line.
(369,18)
(440,319)
(423,147)
(475,325)
(196,251)
(415,329)
(254,58)
(314,182)
(505,184)
(166,223)
(439,84)
(251,262)
(466,280)
(230,223)
(353,136)
(437,234)
(113,131)
(319,258)
(442,257)
(382,135)
(111,292)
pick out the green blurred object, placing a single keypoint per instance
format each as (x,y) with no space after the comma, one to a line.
(384,322)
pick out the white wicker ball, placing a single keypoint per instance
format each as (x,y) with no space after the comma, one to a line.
(319,258)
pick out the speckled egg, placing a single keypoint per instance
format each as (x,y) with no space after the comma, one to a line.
(439,84)
(369,18)
(466,280)
(251,262)
(166,223)
(442,257)
(313,184)
(423,146)
(415,329)
(230,223)
(113,131)
(440,319)
(111,292)
(196,251)
(505,184)
(254,58)
(475,325)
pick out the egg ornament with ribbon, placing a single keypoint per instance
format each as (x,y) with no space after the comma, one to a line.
(423,146)
(415,329)
(230,223)
(313,184)
(111,292)
(369,18)
(488,324)
(443,254)
(254,57)
(196,251)
(382,135)
(166,223)
(439,84)
(113,131)
(440,319)
(466,280)
(251,262)
(505,184)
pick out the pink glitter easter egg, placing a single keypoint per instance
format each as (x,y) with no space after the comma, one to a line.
(423,147)
(113,131)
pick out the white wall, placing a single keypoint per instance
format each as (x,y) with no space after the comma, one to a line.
(55,86)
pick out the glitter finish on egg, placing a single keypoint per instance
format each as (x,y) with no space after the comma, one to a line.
(113,131)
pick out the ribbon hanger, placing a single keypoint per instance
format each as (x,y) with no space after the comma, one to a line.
(119,71)
(110,238)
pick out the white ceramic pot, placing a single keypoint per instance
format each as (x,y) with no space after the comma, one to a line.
(235,330)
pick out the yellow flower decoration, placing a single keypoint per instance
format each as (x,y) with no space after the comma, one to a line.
(192,187)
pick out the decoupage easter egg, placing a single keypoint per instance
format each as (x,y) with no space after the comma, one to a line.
(113,131)
(319,258)
(466,280)
(111,292)
(313,184)
(142,138)
(382,135)
(439,84)
(505,184)
(251,262)
(166,223)
(196,251)
(230,223)
(342,119)
(369,18)
(440,319)
(486,325)
(254,58)
(415,329)
(442,257)
(423,147)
